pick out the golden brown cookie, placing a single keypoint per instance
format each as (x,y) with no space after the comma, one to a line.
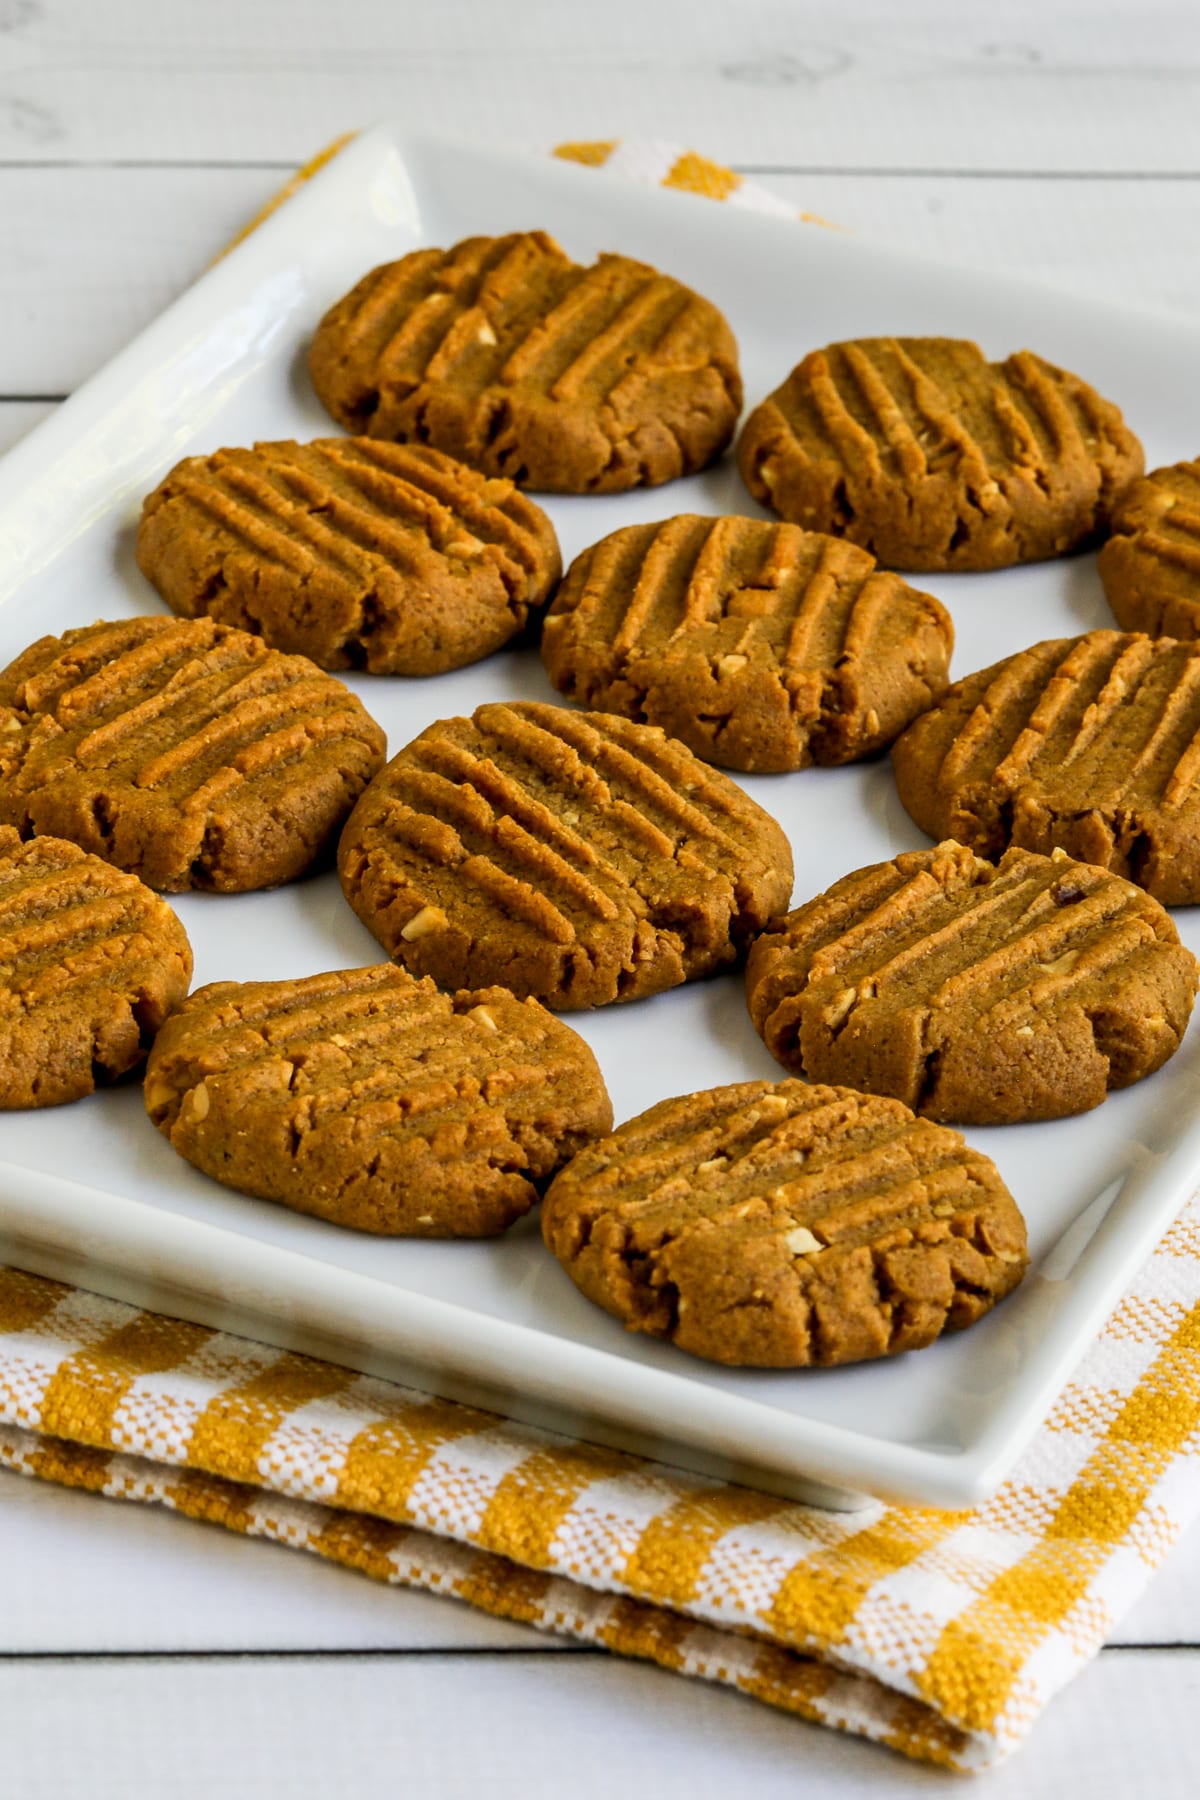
(358,554)
(572,856)
(369,1098)
(933,458)
(975,993)
(1088,744)
(91,963)
(760,646)
(182,750)
(1150,566)
(504,352)
(786,1225)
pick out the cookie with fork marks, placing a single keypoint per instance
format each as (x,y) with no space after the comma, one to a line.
(785,1226)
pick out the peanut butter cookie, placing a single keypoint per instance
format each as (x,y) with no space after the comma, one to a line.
(572,856)
(1150,566)
(358,554)
(504,352)
(975,993)
(760,646)
(91,963)
(369,1098)
(933,458)
(786,1225)
(182,750)
(1087,744)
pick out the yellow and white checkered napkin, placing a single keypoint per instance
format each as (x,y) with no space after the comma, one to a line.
(942,1634)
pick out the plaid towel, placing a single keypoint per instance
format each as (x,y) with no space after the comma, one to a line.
(941,1634)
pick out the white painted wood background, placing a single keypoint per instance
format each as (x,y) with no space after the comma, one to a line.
(144,1655)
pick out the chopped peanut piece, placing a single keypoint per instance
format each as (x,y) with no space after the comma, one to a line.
(464,545)
(430,918)
(1061,964)
(841,1006)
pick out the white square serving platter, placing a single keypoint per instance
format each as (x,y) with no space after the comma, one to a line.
(93,1194)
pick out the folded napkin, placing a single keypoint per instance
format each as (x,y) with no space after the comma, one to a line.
(941,1634)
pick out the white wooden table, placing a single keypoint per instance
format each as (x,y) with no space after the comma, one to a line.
(141,1654)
